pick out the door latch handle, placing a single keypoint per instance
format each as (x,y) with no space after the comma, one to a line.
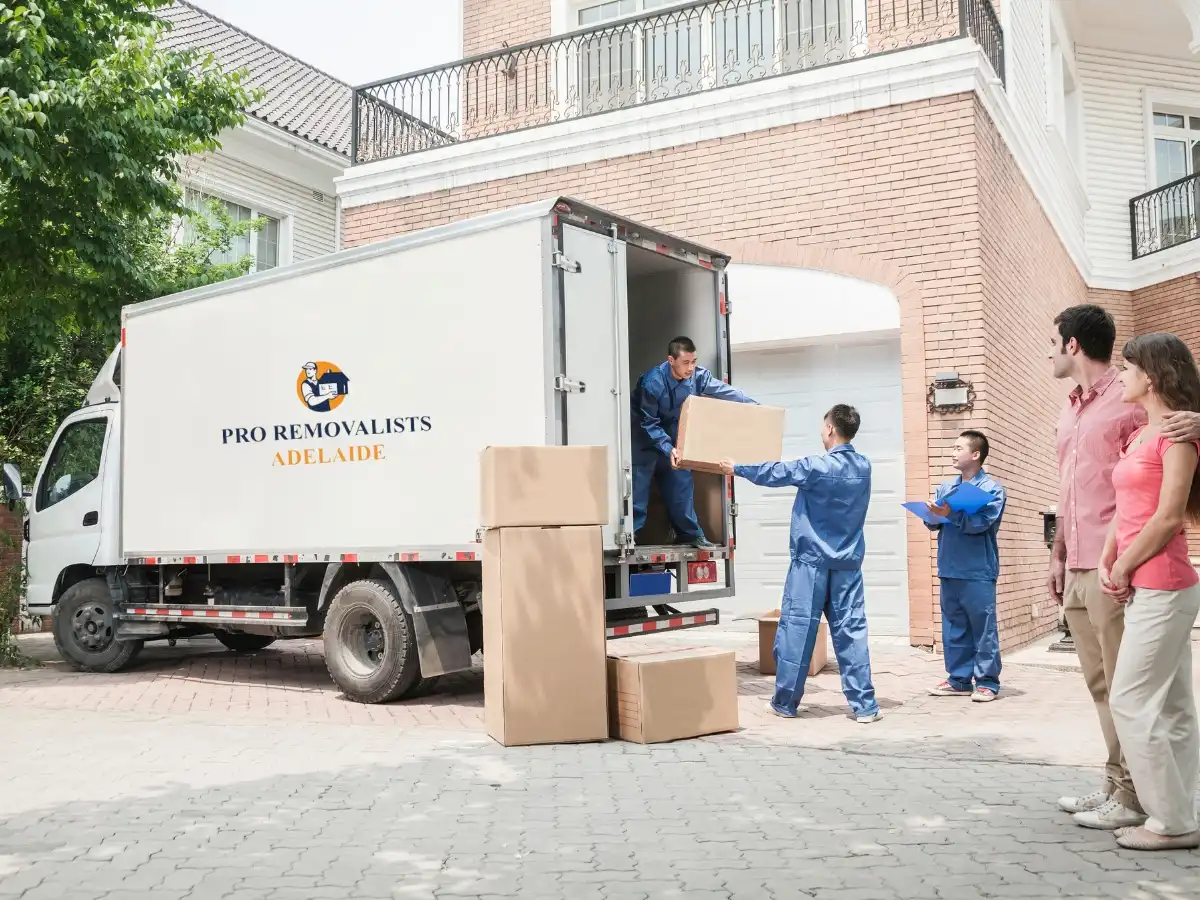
(90,519)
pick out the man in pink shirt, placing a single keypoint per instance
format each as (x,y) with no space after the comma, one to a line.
(1094,427)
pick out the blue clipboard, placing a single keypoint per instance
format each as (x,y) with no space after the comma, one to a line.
(968,499)
(921,510)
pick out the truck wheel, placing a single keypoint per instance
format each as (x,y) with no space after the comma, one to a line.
(85,630)
(244,643)
(370,647)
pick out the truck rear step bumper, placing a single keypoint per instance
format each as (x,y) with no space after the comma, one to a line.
(655,624)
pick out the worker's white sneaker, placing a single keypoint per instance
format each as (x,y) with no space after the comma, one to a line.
(869,718)
(1083,804)
(1109,816)
(946,689)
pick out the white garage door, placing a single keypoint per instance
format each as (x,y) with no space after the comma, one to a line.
(807,382)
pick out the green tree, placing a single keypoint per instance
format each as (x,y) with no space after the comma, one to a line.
(95,118)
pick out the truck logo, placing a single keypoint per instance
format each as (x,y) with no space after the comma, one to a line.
(322,386)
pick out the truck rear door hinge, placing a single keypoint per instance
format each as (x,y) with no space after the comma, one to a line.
(733,510)
(568,385)
(564,262)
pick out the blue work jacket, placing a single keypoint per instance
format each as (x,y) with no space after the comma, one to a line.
(834,490)
(657,400)
(967,545)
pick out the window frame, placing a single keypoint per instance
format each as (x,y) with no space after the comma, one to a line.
(283,243)
(42,491)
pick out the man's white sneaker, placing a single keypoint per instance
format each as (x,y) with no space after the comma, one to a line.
(1109,817)
(869,718)
(1084,803)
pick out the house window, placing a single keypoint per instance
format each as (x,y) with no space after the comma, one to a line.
(1176,144)
(261,246)
(1064,104)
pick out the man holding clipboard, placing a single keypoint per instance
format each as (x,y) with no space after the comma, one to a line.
(966,514)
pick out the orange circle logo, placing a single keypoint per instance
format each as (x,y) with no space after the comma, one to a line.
(321,386)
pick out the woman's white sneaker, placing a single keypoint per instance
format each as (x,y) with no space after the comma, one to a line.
(1109,817)
(1084,803)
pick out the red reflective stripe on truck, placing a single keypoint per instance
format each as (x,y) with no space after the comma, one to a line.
(122,337)
(290,557)
(233,560)
(349,557)
(410,557)
(464,557)
(724,308)
(189,560)
(262,558)
(705,263)
(152,560)
(663,249)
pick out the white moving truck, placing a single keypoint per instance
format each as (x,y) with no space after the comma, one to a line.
(296,453)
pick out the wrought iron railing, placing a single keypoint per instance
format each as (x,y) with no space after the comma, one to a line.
(1165,217)
(681,51)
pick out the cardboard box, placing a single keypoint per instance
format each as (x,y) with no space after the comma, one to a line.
(544,647)
(768,624)
(671,695)
(709,493)
(523,487)
(712,430)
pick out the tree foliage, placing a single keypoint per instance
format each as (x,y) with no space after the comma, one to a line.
(42,382)
(95,119)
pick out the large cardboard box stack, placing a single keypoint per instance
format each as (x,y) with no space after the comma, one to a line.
(543,594)
(671,695)
(711,430)
(768,625)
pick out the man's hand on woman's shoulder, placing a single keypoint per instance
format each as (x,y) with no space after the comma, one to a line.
(1181,426)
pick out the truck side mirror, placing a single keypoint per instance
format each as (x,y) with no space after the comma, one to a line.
(13,491)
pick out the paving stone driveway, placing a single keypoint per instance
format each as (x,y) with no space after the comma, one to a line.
(202,775)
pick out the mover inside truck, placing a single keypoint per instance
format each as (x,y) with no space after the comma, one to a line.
(669,298)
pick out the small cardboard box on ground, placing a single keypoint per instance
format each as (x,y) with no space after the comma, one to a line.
(712,430)
(522,487)
(543,633)
(768,625)
(671,695)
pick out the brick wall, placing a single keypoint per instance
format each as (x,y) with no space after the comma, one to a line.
(10,529)
(488,24)
(900,187)
(1028,278)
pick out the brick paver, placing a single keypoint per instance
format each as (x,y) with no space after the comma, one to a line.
(202,775)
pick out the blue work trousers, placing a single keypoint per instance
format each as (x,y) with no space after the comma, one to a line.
(838,593)
(676,489)
(970,639)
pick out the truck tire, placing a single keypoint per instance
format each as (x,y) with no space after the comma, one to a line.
(85,630)
(238,642)
(370,645)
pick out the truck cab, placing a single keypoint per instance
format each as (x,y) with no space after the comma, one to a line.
(74,506)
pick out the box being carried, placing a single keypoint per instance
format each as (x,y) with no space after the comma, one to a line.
(712,430)
(768,625)
(670,695)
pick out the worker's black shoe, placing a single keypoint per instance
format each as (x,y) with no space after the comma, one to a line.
(700,543)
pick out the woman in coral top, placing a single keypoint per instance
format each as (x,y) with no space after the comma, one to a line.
(1145,565)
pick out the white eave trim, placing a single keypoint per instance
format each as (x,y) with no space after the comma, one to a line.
(873,82)
(303,146)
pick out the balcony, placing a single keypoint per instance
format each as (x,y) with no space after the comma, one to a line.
(633,62)
(1165,217)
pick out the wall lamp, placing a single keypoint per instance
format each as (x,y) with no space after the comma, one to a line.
(950,394)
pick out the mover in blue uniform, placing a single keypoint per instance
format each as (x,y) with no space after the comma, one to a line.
(657,400)
(825,576)
(968,566)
